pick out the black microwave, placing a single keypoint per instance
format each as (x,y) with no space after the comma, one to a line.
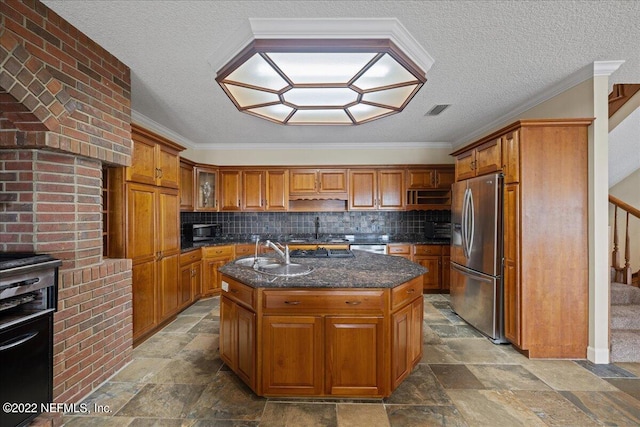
(201,232)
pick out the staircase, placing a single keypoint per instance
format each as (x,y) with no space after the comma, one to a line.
(625,323)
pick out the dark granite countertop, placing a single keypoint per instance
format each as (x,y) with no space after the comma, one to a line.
(365,270)
(323,240)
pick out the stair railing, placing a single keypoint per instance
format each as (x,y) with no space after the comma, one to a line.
(623,273)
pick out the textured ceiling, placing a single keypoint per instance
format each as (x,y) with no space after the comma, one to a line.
(491,57)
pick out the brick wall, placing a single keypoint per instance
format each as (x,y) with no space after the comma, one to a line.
(65,111)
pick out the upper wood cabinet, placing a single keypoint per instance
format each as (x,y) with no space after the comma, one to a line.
(265,190)
(277,189)
(376,189)
(429,188)
(230,190)
(155,159)
(253,190)
(318,183)
(421,179)
(481,160)
(186,185)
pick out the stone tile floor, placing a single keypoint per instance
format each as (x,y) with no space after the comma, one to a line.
(177,379)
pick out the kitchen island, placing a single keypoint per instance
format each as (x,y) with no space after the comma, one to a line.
(350,328)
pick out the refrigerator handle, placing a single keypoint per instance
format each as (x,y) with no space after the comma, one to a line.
(469,272)
(472,221)
(463,232)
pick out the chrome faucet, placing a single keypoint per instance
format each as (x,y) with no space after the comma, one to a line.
(284,252)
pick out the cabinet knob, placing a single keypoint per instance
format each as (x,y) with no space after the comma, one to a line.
(292,302)
(353,302)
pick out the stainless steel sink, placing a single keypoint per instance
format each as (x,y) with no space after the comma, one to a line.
(284,270)
(251,261)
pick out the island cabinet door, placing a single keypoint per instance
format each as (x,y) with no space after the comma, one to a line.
(406,335)
(355,356)
(293,355)
(228,332)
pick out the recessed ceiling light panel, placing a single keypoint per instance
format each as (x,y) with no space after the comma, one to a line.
(315,80)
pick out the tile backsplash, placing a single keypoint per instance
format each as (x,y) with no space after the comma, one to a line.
(243,223)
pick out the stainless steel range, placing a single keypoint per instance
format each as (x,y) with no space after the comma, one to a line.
(28,299)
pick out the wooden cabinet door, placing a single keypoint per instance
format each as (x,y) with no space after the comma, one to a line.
(419,179)
(253,190)
(186,187)
(511,157)
(143,168)
(415,338)
(489,157)
(168,279)
(444,178)
(391,189)
(228,332)
(303,181)
(332,181)
(185,285)
(168,163)
(246,342)
(431,278)
(465,165)
(401,343)
(406,340)
(355,356)
(446,273)
(363,186)
(145,297)
(230,189)
(287,340)
(141,223)
(211,276)
(512,294)
(196,282)
(168,228)
(277,189)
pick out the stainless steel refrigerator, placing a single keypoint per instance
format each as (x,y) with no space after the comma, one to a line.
(476,254)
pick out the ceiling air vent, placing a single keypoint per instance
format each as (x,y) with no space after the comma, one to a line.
(437,109)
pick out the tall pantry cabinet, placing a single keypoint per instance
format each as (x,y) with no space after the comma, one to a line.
(145,227)
(545,278)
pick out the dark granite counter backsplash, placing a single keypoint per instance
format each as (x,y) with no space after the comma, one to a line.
(243,227)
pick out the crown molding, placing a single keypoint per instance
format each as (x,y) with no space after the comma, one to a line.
(322,28)
(325,146)
(597,68)
(152,125)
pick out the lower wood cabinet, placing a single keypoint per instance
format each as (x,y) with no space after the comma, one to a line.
(435,258)
(190,283)
(406,338)
(321,342)
(288,340)
(214,257)
(237,339)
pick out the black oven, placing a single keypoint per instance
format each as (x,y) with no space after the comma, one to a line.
(28,299)
(198,233)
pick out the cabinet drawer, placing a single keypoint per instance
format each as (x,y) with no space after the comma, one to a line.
(244,249)
(237,292)
(323,302)
(191,256)
(406,292)
(218,252)
(427,250)
(399,249)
